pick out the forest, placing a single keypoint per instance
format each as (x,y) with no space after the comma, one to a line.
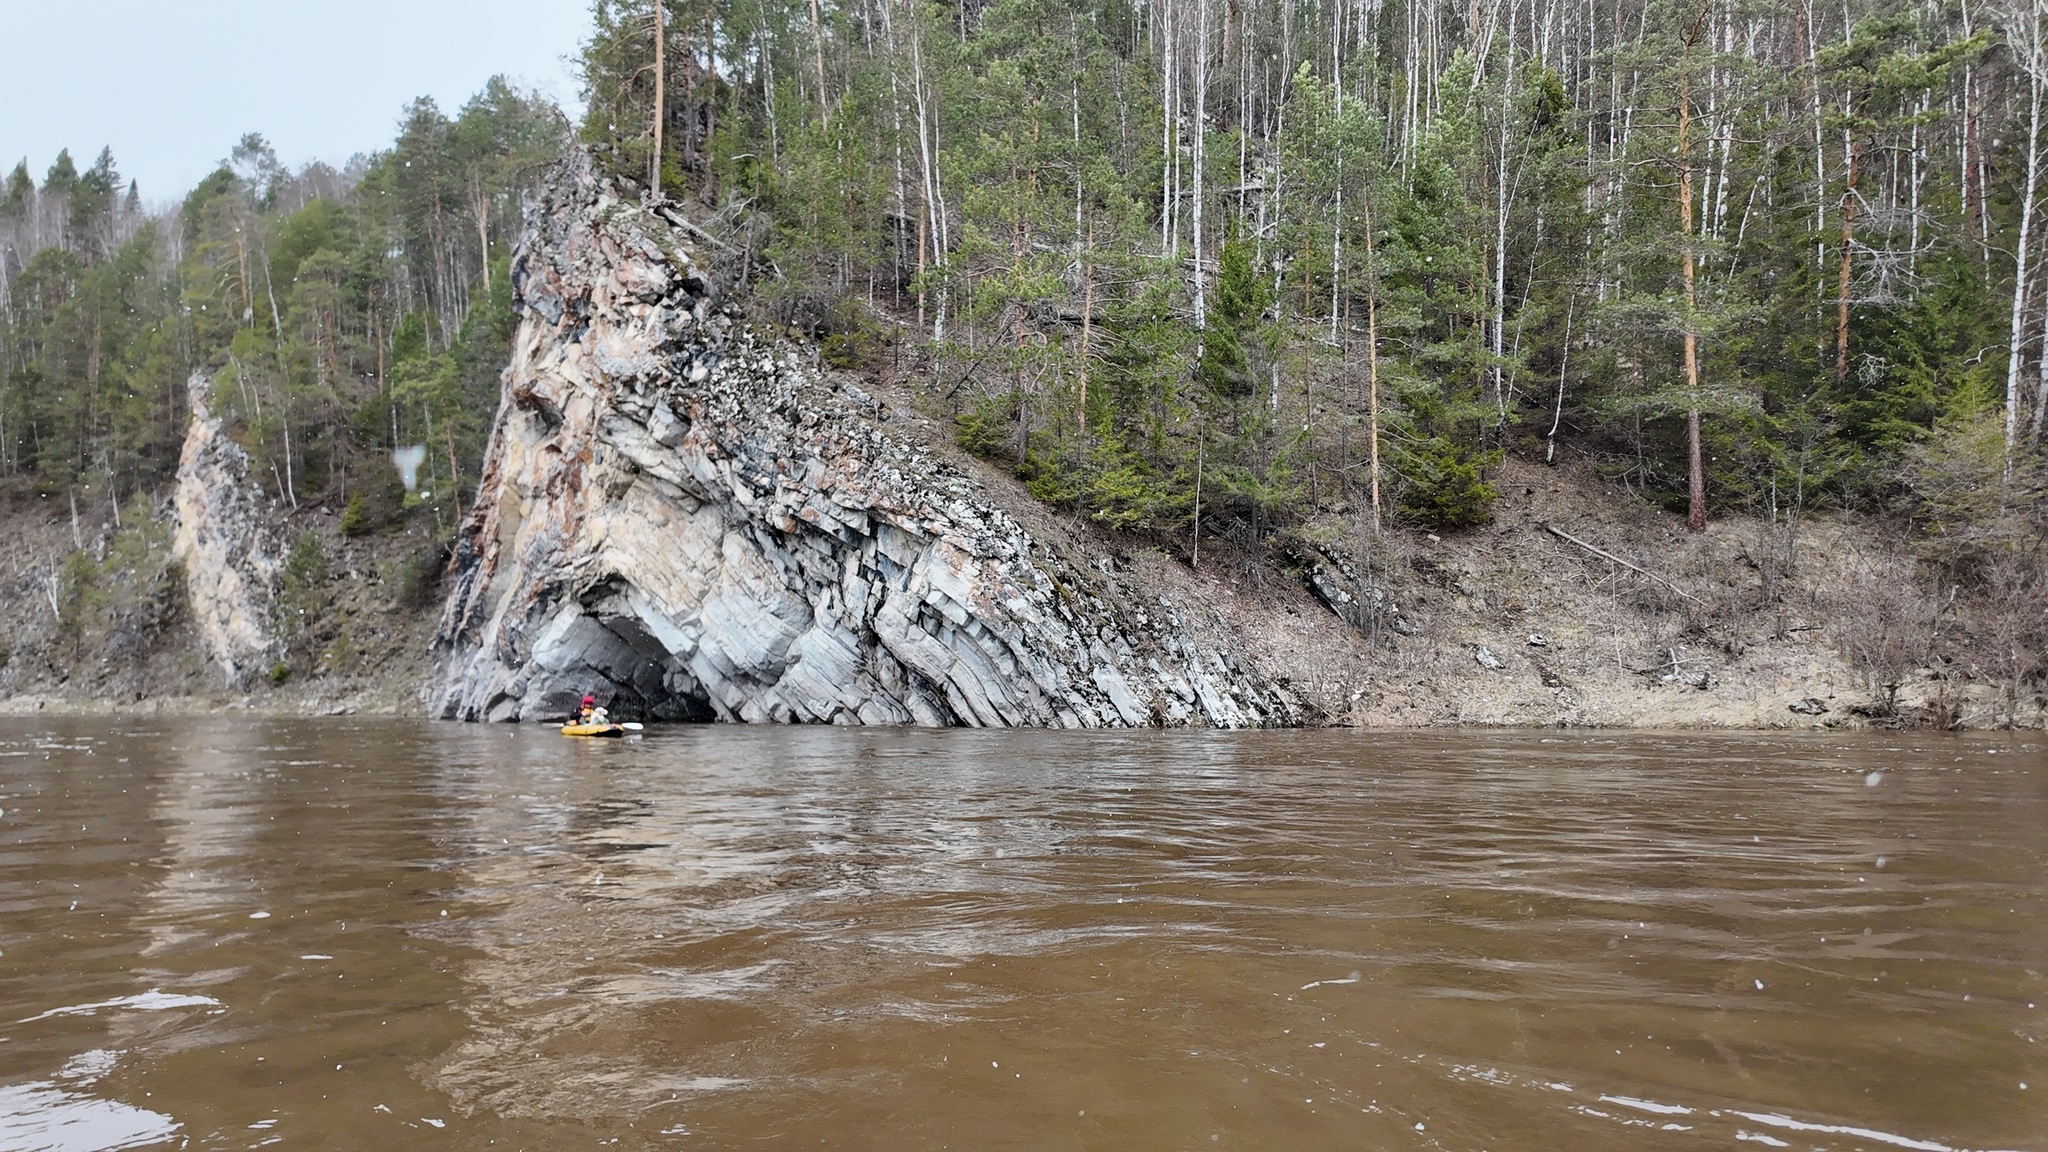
(1232,262)
(339,313)
(1192,268)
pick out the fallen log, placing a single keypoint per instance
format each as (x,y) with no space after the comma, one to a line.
(1612,558)
(680,221)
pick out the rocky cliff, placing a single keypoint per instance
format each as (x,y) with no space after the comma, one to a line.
(228,545)
(686,517)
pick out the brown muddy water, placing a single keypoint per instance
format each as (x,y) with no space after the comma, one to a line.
(394,935)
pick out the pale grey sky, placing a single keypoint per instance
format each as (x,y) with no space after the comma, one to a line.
(172,85)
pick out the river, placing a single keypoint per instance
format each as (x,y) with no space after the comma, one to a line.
(231,933)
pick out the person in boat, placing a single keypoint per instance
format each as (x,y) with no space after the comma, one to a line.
(592,714)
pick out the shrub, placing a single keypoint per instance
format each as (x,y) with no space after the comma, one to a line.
(306,566)
(982,430)
(81,596)
(338,655)
(356,519)
(1445,488)
(853,339)
(419,577)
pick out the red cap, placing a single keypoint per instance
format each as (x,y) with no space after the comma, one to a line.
(590,699)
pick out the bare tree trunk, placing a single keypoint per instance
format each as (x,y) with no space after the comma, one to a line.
(2040,390)
(1500,239)
(1842,276)
(1973,190)
(935,204)
(1201,131)
(242,274)
(660,104)
(284,420)
(818,54)
(1913,193)
(1411,49)
(1563,364)
(1820,160)
(1337,212)
(766,76)
(454,469)
(1169,145)
(1696,477)
(1087,319)
(896,148)
(1020,242)
(483,225)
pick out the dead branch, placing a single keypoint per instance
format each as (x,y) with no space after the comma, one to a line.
(677,219)
(1611,557)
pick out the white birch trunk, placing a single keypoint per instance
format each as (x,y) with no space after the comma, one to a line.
(1201,131)
(927,146)
(2024,34)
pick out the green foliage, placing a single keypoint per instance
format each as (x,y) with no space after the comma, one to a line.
(19,196)
(339,654)
(854,339)
(305,570)
(338,313)
(417,577)
(80,593)
(1445,485)
(355,517)
(304,576)
(280,672)
(1236,315)
(1145,296)
(979,429)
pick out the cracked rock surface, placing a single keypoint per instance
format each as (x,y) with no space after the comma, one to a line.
(225,540)
(687,518)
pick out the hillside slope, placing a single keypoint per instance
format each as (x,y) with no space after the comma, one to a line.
(693,518)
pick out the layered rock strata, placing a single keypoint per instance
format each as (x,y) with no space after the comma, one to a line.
(1335,581)
(224,540)
(689,519)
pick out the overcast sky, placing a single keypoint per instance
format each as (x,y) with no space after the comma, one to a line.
(172,84)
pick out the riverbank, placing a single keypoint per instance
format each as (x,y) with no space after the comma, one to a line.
(95,618)
(691,516)
(1578,606)
(1510,625)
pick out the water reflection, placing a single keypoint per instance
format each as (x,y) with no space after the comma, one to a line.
(723,912)
(208,800)
(720,937)
(41,1116)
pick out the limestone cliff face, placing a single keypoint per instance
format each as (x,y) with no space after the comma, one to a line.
(689,519)
(226,544)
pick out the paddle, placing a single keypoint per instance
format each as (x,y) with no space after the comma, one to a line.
(630,726)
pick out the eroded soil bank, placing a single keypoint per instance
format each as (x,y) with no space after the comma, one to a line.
(1723,634)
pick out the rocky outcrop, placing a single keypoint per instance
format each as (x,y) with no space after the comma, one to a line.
(688,518)
(226,544)
(1359,603)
